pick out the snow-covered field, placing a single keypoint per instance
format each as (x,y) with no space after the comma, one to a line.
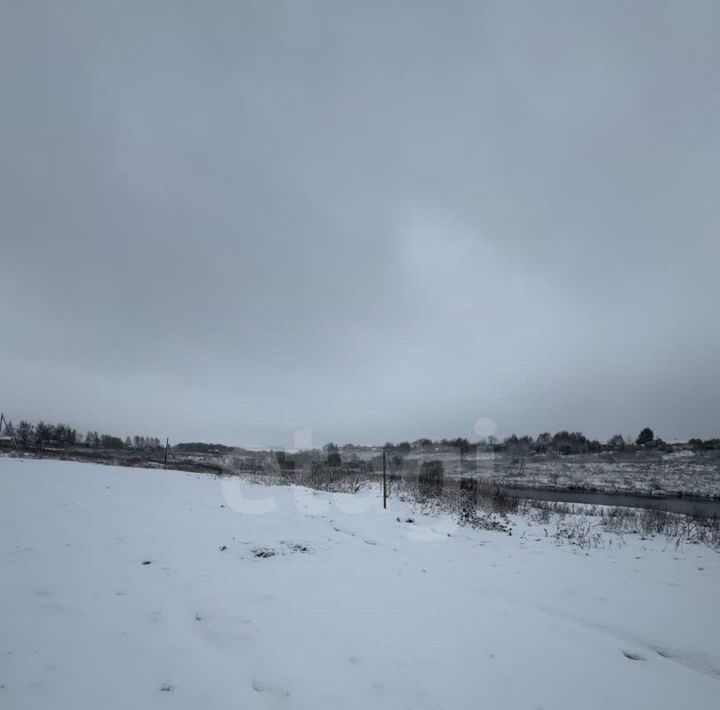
(671,474)
(130,588)
(636,473)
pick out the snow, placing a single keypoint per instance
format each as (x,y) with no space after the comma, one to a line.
(634,473)
(667,475)
(323,600)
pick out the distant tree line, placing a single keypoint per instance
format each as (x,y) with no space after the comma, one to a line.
(41,434)
(706,445)
(562,442)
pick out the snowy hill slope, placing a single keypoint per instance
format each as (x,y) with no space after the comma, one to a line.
(150,589)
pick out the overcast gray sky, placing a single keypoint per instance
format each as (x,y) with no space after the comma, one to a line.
(376,220)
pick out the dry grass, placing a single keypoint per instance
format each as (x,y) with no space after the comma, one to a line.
(486,507)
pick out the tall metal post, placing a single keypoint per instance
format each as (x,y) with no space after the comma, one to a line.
(167,444)
(384,480)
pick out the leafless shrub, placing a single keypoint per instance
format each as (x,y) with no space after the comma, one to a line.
(503,503)
(676,528)
(579,532)
(478,520)
(540,514)
(431,479)
(654,522)
(485,507)
(541,511)
(619,520)
(462,503)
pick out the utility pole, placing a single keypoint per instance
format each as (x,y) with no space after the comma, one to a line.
(167,444)
(8,429)
(384,479)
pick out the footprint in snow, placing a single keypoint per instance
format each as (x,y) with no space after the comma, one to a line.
(662,652)
(264,552)
(295,546)
(633,656)
(260,687)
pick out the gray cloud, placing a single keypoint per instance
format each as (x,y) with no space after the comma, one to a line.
(235,220)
